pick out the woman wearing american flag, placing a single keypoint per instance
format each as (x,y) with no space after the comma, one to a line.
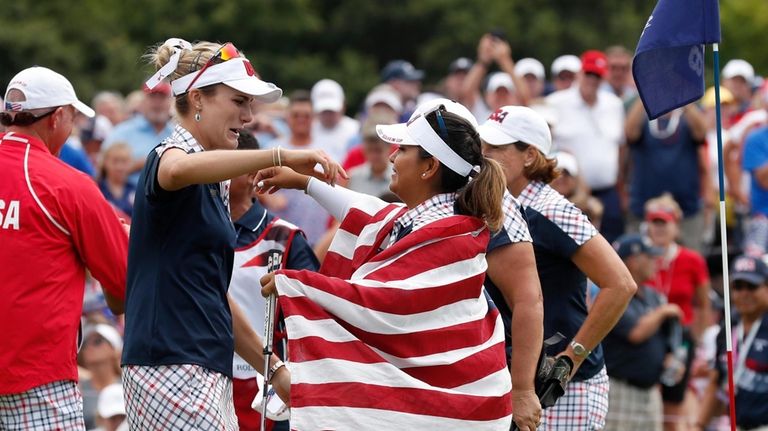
(396,331)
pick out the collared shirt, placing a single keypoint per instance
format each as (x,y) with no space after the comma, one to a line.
(591,133)
(140,135)
(54,223)
(558,229)
(180,263)
(435,208)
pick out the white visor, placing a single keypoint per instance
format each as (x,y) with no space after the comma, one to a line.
(418,132)
(236,73)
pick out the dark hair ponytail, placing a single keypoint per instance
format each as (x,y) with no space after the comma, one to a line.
(481,195)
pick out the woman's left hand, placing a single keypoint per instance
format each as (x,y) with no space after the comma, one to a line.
(304,162)
(268,286)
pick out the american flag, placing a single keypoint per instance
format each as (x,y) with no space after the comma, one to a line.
(13,106)
(401,338)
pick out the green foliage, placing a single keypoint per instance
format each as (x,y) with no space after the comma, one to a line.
(98,43)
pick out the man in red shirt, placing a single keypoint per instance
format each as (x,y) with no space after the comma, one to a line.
(54,223)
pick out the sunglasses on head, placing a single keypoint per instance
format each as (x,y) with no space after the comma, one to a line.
(226,52)
(745,285)
(22,118)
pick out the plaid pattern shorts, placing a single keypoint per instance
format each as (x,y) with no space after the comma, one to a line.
(53,406)
(178,397)
(633,409)
(583,407)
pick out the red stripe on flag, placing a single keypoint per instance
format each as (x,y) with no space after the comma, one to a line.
(408,344)
(406,400)
(467,370)
(462,372)
(393,300)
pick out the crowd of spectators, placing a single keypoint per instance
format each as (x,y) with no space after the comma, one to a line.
(649,186)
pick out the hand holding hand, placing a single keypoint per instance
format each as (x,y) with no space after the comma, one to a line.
(275,178)
(304,162)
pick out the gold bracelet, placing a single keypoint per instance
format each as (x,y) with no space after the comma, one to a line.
(274,161)
(279,160)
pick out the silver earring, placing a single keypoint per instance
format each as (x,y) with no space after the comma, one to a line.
(197,116)
(423,175)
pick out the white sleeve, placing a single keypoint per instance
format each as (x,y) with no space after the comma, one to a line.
(338,200)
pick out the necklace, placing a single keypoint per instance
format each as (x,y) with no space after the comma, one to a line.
(674,121)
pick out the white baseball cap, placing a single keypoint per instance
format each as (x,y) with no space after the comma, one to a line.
(384,93)
(571,63)
(567,162)
(234,71)
(499,80)
(418,132)
(510,124)
(739,67)
(327,95)
(111,401)
(529,65)
(44,88)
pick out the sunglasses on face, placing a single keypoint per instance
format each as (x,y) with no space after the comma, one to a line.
(22,118)
(745,285)
(226,52)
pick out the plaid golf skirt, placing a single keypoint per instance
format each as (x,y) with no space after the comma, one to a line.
(53,406)
(178,397)
(633,409)
(583,406)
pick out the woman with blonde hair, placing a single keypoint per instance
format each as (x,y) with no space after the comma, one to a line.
(397,324)
(568,249)
(181,326)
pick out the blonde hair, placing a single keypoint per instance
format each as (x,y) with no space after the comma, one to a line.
(666,202)
(190,60)
(117,146)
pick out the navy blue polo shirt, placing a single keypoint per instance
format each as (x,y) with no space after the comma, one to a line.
(558,229)
(752,383)
(180,261)
(639,364)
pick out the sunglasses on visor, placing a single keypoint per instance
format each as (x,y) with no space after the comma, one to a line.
(22,118)
(226,52)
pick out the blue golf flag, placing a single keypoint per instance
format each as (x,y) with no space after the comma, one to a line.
(669,60)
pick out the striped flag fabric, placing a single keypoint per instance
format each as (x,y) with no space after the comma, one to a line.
(401,338)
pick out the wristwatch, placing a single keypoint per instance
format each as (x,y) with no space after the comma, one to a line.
(579,350)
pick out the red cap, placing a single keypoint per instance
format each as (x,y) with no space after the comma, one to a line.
(161,88)
(667,216)
(594,62)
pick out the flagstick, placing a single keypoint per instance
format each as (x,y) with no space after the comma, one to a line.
(724,240)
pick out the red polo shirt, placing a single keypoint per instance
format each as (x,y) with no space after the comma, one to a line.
(54,223)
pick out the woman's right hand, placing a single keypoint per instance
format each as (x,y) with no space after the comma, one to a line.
(272,179)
